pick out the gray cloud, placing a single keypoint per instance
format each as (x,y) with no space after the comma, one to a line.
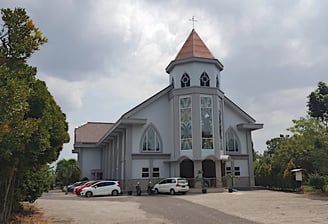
(98,55)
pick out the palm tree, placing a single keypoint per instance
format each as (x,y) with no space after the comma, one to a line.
(67,171)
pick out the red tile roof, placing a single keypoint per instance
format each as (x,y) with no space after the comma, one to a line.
(91,132)
(194,47)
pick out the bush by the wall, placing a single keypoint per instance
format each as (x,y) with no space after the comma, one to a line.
(317,181)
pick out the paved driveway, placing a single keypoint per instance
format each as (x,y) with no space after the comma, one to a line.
(239,207)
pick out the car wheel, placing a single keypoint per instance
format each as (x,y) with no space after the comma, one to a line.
(172,192)
(156,191)
(88,194)
(114,193)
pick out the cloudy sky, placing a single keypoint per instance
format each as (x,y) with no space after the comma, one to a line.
(105,57)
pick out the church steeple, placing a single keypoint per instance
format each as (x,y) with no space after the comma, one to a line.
(194,47)
(194,65)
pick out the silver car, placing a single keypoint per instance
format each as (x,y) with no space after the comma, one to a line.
(172,185)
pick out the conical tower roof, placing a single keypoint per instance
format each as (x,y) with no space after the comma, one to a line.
(194,47)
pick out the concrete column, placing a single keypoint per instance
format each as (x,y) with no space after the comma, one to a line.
(250,159)
(218,173)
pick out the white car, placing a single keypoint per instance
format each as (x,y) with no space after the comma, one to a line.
(108,187)
(172,185)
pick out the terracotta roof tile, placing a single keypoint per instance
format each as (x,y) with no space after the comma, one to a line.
(194,47)
(91,132)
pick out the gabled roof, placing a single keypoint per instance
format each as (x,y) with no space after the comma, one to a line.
(91,132)
(126,118)
(240,111)
(194,47)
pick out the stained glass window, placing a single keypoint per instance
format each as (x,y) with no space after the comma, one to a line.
(185,123)
(151,141)
(206,122)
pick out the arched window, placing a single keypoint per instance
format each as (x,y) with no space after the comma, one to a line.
(151,141)
(185,80)
(232,144)
(217,82)
(204,80)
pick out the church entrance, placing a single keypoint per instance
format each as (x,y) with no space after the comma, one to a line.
(187,171)
(209,172)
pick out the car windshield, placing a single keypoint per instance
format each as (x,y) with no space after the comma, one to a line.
(182,181)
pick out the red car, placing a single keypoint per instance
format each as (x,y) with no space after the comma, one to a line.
(78,189)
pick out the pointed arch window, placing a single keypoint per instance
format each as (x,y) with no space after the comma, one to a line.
(204,80)
(232,142)
(217,82)
(185,80)
(151,141)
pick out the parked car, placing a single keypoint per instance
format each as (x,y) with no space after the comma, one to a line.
(172,185)
(109,187)
(78,189)
(70,188)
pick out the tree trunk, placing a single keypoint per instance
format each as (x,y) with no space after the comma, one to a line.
(7,197)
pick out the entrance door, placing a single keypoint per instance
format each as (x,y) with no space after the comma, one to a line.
(187,171)
(209,172)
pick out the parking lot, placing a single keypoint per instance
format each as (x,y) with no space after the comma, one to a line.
(260,206)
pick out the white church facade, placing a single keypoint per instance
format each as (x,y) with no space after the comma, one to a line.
(190,127)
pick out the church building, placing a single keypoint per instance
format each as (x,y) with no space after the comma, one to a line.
(188,129)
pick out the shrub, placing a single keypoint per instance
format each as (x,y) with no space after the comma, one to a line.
(317,181)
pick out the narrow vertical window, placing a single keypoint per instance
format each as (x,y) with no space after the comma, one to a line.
(185,80)
(206,122)
(185,123)
(204,80)
(220,124)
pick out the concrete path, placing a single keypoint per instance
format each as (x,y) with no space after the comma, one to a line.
(239,207)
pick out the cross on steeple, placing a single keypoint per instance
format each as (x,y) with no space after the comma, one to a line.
(193,21)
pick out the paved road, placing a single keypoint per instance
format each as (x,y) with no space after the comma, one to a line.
(239,207)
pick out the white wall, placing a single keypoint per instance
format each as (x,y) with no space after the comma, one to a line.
(137,166)
(243,164)
(195,70)
(91,159)
(164,168)
(157,113)
(230,119)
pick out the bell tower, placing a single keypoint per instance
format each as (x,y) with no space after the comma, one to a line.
(194,65)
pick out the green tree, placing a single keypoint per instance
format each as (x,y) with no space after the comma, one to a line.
(33,128)
(310,144)
(67,171)
(273,144)
(36,182)
(318,103)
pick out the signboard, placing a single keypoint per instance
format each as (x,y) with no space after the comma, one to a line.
(298,174)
